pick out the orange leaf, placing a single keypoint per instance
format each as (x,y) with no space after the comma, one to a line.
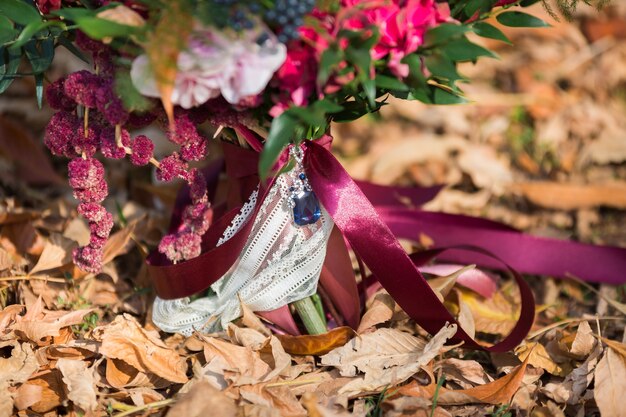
(165,43)
(316,344)
(497,392)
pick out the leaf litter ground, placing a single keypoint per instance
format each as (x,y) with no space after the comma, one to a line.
(541,149)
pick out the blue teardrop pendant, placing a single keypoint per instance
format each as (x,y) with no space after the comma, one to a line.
(303,201)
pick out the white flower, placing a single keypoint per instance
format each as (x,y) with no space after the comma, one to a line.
(214,64)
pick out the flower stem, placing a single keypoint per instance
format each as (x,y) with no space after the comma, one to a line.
(310,316)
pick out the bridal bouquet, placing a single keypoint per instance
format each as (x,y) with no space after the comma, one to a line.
(270,76)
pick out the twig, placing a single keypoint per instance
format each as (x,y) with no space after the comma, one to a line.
(569,321)
(151,406)
(35,277)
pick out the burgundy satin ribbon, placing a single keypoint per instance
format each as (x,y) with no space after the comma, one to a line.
(372,232)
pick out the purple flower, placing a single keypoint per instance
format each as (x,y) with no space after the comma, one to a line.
(181,246)
(103,227)
(109,104)
(85,144)
(82,86)
(85,173)
(108,144)
(56,98)
(96,194)
(171,167)
(88,258)
(198,217)
(197,185)
(92,212)
(60,130)
(142,148)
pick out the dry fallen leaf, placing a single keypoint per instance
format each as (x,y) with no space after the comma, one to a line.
(126,340)
(203,400)
(277,397)
(537,355)
(56,253)
(564,196)
(380,310)
(497,392)
(316,344)
(496,315)
(386,357)
(80,382)
(584,341)
(18,367)
(610,384)
(41,394)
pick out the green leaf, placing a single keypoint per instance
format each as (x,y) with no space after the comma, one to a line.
(40,54)
(464,50)
(100,28)
(73,49)
(30,30)
(327,106)
(361,59)
(281,133)
(19,12)
(390,83)
(39,89)
(444,32)
(354,110)
(330,58)
(445,97)
(487,30)
(8,68)
(520,20)
(527,3)
(7,31)
(474,6)
(442,67)
(133,100)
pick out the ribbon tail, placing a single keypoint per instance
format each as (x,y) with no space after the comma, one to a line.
(372,239)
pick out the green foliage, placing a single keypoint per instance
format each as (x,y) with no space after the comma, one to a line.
(567,8)
(520,19)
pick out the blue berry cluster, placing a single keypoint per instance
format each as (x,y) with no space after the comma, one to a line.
(288,16)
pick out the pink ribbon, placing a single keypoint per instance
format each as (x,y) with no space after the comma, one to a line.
(372,231)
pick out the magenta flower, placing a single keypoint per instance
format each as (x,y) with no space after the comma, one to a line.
(88,258)
(60,132)
(142,149)
(108,143)
(82,87)
(56,98)
(182,246)
(295,79)
(171,167)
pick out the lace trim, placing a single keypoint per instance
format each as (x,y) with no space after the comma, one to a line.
(280,263)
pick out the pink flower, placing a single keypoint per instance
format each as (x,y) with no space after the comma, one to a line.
(234,66)
(46,6)
(142,148)
(295,79)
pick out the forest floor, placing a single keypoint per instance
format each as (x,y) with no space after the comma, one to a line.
(541,147)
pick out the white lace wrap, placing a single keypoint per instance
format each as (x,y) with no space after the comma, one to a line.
(280,263)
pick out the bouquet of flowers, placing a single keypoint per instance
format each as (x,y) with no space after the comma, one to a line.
(270,76)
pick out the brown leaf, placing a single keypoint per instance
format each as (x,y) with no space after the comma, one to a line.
(497,392)
(537,355)
(80,383)
(203,400)
(380,310)
(18,367)
(564,196)
(118,243)
(41,394)
(278,397)
(19,146)
(316,344)
(37,324)
(386,357)
(56,253)
(6,400)
(584,341)
(610,384)
(496,315)
(120,374)
(228,362)
(126,340)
